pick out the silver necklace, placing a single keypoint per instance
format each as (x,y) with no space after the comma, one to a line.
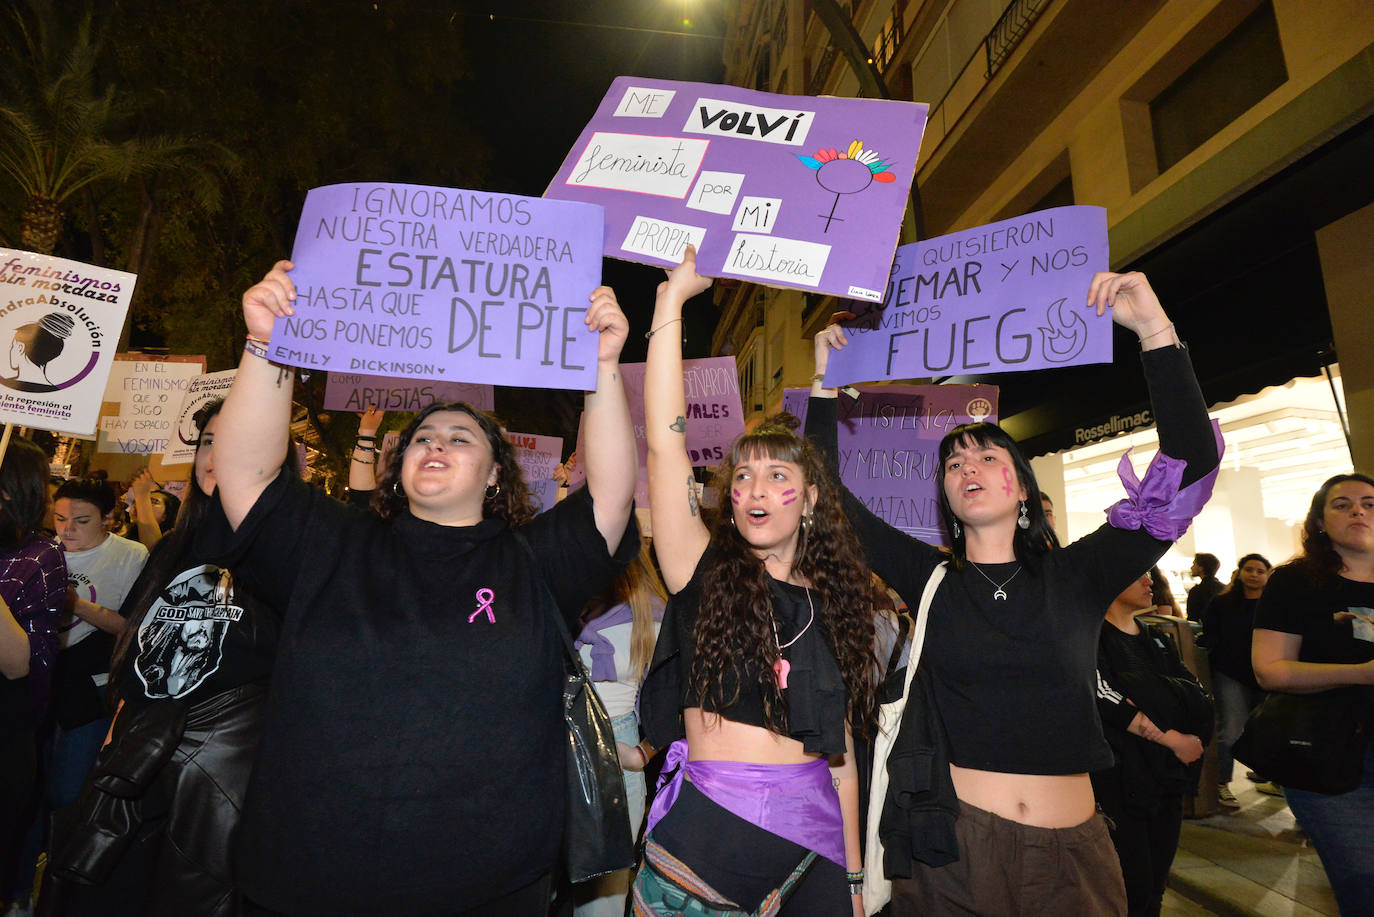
(1001,588)
(782,666)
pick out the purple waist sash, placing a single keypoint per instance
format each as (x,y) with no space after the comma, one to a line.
(794,801)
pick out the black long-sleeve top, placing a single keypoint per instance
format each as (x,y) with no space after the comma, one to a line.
(1014,680)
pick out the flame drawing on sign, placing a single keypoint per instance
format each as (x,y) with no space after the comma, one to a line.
(1066,334)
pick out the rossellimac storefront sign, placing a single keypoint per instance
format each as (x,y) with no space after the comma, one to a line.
(1114,425)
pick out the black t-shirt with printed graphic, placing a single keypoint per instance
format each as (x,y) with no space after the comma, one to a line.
(1292,604)
(203,634)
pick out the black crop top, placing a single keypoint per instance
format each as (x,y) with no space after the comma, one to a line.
(815,694)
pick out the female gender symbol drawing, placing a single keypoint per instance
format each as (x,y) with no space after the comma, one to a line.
(846,173)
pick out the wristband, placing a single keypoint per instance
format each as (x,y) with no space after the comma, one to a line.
(256,347)
(364,461)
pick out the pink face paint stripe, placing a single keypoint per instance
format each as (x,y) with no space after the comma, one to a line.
(484,599)
(1006,477)
(791,496)
(735,497)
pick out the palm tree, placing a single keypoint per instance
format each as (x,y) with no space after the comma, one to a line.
(61,133)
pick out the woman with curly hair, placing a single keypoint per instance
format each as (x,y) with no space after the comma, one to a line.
(1314,632)
(764,667)
(1004,821)
(412,759)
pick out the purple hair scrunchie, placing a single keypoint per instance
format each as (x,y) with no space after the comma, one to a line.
(1155,502)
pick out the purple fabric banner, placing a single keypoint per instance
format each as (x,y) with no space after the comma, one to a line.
(353,392)
(789,191)
(889,439)
(441,283)
(1004,297)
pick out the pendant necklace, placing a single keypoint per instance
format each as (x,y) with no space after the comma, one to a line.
(782,666)
(1000,594)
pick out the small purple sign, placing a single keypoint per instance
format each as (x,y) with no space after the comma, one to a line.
(442,283)
(353,392)
(714,413)
(889,439)
(1005,297)
(538,455)
(784,190)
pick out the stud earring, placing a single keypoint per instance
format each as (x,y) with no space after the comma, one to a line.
(1023,523)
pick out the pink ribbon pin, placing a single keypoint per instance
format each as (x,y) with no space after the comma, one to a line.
(484,598)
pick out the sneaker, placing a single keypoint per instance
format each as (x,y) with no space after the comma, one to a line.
(1269,788)
(1226,797)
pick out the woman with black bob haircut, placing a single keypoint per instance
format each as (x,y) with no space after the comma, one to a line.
(414,755)
(151,831)
(1005,821)
(764,669)
(1314,633)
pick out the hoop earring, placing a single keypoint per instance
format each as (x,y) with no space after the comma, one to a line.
(493,494)
(1023,522)
(396,489)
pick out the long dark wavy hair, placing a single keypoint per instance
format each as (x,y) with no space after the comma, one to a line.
(513,503)
(735,621)
(1319,562)
(169,556)
(23,492)
(1030,544)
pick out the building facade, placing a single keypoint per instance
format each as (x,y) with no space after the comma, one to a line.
(1231,143)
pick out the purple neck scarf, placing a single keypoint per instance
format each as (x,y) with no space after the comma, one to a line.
(794,801)
(603,653)
(1156,503)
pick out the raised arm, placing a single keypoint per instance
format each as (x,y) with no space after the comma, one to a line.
(608,434)
(680,537)
(362,465)
(252,432)
(149,532)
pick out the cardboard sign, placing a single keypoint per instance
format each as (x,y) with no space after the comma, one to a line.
(789,191)
(59,324)
(538,455)
(889,439)
(181,449)
(353,392)
(441,283)
(1005,297)
(143,398)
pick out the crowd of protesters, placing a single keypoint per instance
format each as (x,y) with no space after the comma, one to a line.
(262,700)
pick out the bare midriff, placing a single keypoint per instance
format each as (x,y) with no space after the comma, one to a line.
(1041,800)
(711,737)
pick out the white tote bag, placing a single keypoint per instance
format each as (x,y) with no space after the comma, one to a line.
(877,887)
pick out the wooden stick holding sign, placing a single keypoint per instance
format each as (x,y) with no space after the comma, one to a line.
(5,440)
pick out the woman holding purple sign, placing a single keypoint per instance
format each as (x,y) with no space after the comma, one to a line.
(1005,822)
(764,665)
(412,759)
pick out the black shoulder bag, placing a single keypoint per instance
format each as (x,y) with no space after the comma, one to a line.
(1310,742)
(597,837)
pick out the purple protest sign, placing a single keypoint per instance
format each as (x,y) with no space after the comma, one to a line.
(442,283)
(1004,297)
(784,190)
(354,392)
(714,413)
(889,439)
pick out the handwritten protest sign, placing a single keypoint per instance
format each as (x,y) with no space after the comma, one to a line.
(59,324)
(889,439)
(353,392)
(1004,297)
(538,455)
(202,390)
(785,190)
(714,414)
(143,397)
(440,283)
